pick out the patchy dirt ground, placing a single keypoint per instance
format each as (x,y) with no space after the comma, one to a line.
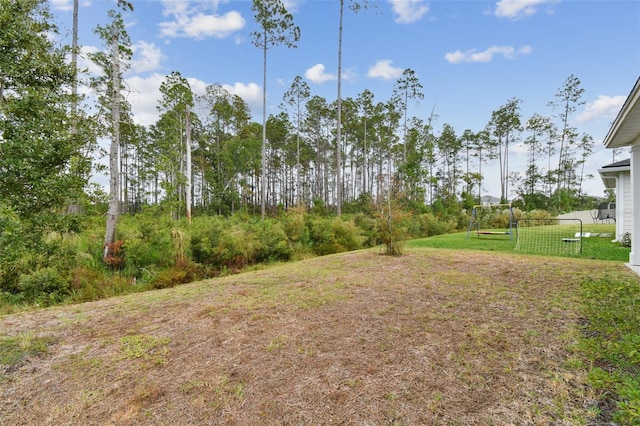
(431,337)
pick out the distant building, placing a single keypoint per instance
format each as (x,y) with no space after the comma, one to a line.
(488,200)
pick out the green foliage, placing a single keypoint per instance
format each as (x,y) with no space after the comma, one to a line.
(36,150)
(333,235)
(368,229)
(427,225)
(44,287)
(272,242)
(393,231)
(295,228)
(175,275)
(148,243)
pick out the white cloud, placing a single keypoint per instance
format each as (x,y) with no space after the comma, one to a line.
(317,74)
(473,55)
(518,9)
(383,69)
(408,11)
(146,57)
(291,5)
(603,107)
(67,5)
(198,20)
(251,93)
(144,96)
(64,5)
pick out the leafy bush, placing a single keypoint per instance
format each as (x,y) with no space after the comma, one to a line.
(428,226)
(272,242)
(148,243)
(236,248)
(393,230)
(178,274)
(204,240)
(333,235)
(368,229)
(295,226)
(44,287)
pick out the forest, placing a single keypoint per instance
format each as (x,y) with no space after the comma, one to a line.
(207,190)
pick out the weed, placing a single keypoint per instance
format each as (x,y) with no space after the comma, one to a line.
(14,349)
(145,347)
(277,343)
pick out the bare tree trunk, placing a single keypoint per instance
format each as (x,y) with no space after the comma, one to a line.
(264,130)
(114,175)
(188,171)
(339,129)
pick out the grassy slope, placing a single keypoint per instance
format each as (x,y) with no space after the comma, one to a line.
(434,336)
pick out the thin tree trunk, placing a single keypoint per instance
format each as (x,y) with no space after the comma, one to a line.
(339,129)
(188,171)
(264,129)
(112,213)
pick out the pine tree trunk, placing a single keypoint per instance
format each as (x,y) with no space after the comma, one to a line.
(112,214)
(188,167)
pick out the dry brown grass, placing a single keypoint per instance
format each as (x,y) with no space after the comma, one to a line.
(431,337)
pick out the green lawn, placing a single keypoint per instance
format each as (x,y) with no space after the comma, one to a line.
(592,247)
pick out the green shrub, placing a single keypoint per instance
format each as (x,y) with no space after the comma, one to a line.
(295,226)
(204,240)
(178,274)
(347,234)
(272,242)
(44,286)
(429,226)
(148,243)
(320,237)
(368,229)
(393,228)
(236,249)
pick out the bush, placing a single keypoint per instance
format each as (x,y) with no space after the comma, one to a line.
(179,274)
(204,240)
(368,229)
(148,243)
(44,286)
(272,242)
(236,249)
(330,236)
(429,226)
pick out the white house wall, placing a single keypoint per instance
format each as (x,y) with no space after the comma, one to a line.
(634,256)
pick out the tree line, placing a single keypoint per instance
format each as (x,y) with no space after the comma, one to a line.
(207,154)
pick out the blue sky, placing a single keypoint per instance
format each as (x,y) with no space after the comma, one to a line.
(470,56)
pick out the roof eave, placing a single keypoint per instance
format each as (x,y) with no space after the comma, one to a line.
(625,130)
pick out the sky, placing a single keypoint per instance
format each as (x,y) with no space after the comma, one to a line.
(471,57)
